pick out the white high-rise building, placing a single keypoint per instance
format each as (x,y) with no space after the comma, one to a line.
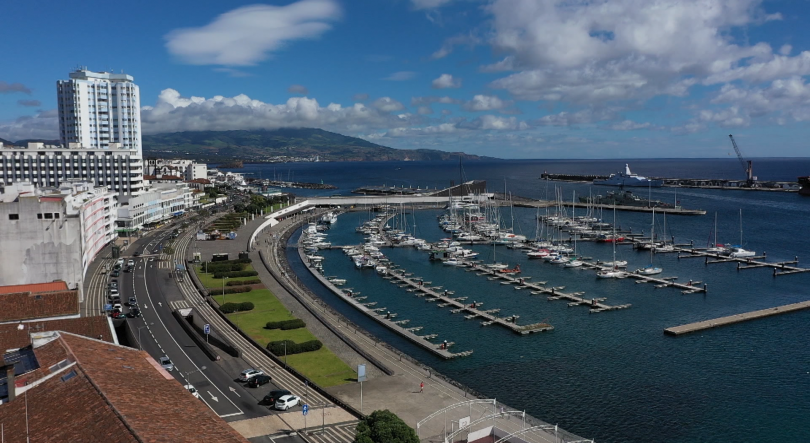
(97,109)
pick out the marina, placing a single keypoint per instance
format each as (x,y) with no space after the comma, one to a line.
(738,318)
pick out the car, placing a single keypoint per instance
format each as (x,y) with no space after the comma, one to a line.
(114,283)
(272,396)
(115,273)
(136,254)
(247,374)
(192,390)
(115,313)
(131,263)
(285,402)
(128,269)
(134,313)
(132,301)
(117,306)
(258,380)
(119,262)
(166,363)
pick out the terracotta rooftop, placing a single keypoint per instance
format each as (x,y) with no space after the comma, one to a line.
(35,287)
(92,391)
(32,305)
(15,335)
(204,181)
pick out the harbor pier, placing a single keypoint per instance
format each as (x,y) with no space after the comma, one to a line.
(738,318)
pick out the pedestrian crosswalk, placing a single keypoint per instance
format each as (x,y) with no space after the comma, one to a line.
(342,432)
(181,304)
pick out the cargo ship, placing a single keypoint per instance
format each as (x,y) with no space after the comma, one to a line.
(804,183)
(624,198)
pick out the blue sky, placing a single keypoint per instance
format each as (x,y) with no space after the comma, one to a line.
(505,78)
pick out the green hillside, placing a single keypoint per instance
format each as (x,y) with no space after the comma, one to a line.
(263,145)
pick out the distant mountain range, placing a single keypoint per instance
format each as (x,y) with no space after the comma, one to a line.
(257,146)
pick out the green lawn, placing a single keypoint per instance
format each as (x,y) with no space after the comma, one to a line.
(212,283)
(321,366)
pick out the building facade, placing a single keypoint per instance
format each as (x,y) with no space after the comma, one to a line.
(119,170)
(54,233)
(97,109)
(187,169)
(160,203)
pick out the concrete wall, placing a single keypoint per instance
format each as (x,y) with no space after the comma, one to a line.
(43,249)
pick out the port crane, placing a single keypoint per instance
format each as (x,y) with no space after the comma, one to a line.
(747,165)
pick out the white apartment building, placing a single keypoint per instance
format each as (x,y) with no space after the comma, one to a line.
(97,109)
(118,169)
(160,203)
(187,169)
(54,233)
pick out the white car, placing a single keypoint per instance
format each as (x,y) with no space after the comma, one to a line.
(286,402)
(247,374)
(120,261)
(192,390)
(166,363)
(131,263)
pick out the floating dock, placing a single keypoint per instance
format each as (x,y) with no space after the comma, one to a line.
(700,183)
(738,318)
(396,326)
(779,268)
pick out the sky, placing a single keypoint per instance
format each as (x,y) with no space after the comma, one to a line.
(512,79)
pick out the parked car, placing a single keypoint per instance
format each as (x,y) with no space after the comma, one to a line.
(192,390)
(258,380)
(285,402)
(115,273)
(166,363)
(270,398)
(115,313)
(119,262)
(131,263)
(247,374)
(117,306)
(132,301)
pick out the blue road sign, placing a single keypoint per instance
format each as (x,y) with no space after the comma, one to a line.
(108,307)
(305,409)
(207,329)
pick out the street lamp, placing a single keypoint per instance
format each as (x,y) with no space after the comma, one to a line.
(285,353)
(223,289)
(140,347)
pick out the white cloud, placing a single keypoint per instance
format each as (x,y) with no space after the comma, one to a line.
(429,4)
(597,51)
(401,76)
(416,101)
(444,128)
(298,89)
(586,116)
(629,125)
(387,104)
(485,103)
(785,99)
(446,81)
(247,35)
(44,125)
(424,110)
(173,113)
(492,122)
(449,44)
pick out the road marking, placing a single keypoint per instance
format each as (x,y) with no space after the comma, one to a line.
(234,391)
(212,396)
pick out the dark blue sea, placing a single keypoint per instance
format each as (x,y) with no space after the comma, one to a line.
(612,376)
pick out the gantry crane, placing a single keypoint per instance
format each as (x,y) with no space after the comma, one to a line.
(747,165)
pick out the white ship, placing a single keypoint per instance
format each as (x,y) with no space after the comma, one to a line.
(627,178)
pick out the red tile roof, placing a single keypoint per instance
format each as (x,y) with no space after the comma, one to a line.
(31,305)
(15,335)
(35,287)
(116,394)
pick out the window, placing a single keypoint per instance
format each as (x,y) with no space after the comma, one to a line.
(14,216)
(39,216)
(48,216)
(55,215)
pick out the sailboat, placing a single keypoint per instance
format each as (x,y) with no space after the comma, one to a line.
(716,248)
(650,269)
(613,271)
(738,251)
(573,262)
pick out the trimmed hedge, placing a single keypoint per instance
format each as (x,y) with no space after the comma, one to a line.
(232,274)
(278,347)
(229,308)
(252,281)
(228,262)
(286,324)
(214,269)
(231,290)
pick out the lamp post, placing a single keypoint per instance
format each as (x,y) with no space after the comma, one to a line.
(140,347)
(223,289)
(285,353)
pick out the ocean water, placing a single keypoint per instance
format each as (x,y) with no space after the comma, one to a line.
(612,376)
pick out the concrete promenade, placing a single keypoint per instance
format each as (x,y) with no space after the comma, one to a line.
(737,318)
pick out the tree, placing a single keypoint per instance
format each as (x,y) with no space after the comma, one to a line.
(384,427)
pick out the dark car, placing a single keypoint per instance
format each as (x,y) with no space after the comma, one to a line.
(115,273)
(134,312)
(270,399)
(258,380)
(132,301)
(128,269)
(136,254)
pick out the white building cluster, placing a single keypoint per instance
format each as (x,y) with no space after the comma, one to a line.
(54,233)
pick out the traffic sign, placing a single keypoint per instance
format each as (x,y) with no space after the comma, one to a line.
(305,409)
(207,329)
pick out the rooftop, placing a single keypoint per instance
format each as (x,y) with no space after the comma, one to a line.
(106,393)
(20,306)
(35,287)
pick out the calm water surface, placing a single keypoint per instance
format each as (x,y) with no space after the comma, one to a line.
(612,376)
